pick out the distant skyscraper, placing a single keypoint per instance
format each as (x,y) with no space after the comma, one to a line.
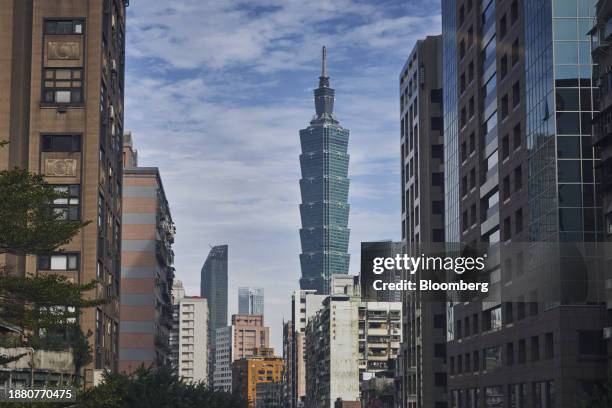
(324,186)
(213,287)
(250,301)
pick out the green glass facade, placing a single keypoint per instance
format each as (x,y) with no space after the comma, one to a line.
(324,187)
(560,109)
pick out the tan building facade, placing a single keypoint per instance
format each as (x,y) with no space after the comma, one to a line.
(250,335)
(61,109)
(146,266)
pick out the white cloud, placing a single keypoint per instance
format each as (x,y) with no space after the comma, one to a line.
(216,92)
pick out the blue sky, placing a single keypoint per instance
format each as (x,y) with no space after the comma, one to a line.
(216,92)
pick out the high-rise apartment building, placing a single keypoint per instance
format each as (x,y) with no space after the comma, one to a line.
(421,366)
(213,287)
(61,109)
(246,337)
(146,266)
(518,106)
(250,300)
(193,357)
(324,186)
(178,292)
(304,305)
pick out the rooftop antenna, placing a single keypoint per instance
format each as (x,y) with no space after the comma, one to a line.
(324,63)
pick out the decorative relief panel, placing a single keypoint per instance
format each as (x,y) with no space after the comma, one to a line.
(63,50)
(61,167)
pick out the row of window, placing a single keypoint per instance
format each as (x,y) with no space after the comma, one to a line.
(542,395)
(491,358)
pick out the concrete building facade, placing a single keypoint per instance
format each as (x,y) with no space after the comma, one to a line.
(224,358)
(62,66)
(146,267)
(193,357)
(246,337)
(304,305)
(421,365)
(332,354)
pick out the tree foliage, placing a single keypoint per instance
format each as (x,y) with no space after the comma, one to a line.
(44,307)
(160,388)
(28,225)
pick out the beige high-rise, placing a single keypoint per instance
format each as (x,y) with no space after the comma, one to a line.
(61,108)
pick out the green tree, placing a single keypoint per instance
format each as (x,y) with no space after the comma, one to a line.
(27,223)
(44,307)
(160,388)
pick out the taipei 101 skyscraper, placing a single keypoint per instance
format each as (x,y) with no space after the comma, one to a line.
(324,186)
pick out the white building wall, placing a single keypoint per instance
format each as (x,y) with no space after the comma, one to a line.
(344,352)
(193,339)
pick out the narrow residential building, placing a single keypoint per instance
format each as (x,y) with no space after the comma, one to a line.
(146,265)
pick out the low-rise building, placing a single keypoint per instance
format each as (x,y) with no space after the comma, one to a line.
(244,338)
(380,335)
(269,395)
(248,372)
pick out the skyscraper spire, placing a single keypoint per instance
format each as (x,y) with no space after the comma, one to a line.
(324,186)
(324,78)
(324,63)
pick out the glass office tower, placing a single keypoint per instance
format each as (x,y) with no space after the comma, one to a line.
(250,300)
(213,287)
(324,186)
(518,85)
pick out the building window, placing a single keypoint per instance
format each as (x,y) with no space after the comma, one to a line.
(471,72)
(518,178)
(516,94)
(535,348)
(522,351)
(504,66)
(515,52)
(591,342)
(61,143)
(505,147)
(514,12)
(64,27)
(67,207)
(549,346)
(509,354)
(63,85)
(58,262)
(505,107)
(506,188)
(472,142)
(518,396)
(518,221)
(491,358)
(517,136)
(502,27)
